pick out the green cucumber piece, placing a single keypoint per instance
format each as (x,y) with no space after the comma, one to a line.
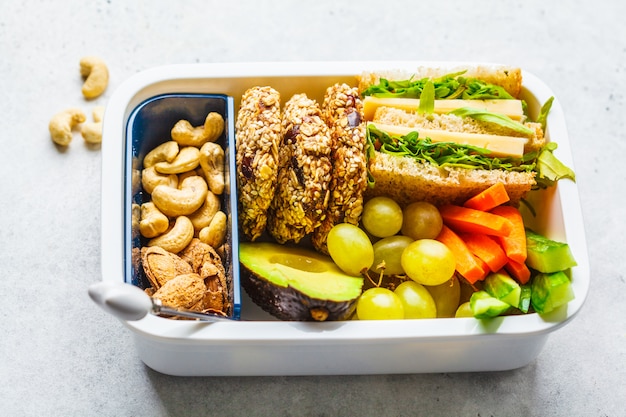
(546,255)
(524,298)
(484,306)
(550,291)
(503,287)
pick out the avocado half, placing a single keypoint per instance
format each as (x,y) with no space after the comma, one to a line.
(294,283)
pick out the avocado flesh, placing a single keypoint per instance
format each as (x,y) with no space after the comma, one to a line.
(294,283)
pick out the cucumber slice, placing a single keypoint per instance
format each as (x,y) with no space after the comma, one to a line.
(503,287)
(485,306)
(524,298)
(550,291)
(546,255)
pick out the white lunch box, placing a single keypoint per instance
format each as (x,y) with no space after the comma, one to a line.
(258,344)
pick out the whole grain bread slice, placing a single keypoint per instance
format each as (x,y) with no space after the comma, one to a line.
(406,180)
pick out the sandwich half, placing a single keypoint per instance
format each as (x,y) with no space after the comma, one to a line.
(443,136)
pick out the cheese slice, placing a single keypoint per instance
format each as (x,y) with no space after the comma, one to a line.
(508,146)
(511,108)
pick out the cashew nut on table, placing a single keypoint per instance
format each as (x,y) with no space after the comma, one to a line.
(62,124)
(92,132)
(96,75)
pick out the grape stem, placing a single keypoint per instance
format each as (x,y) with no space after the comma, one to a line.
(365,274)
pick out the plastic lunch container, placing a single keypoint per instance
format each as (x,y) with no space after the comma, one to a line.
(257,344)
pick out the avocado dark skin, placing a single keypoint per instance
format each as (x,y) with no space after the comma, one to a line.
(297,284)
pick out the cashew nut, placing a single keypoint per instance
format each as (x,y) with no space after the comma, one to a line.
(187,135)
(188,158)
(96,75)
(213,126)
(177,238)
(135,180)
(164,152)
(153,222)
(92,132)
(181,201)
(202,217)
(215,233)
(134,219)
(150,178)
(191,173)
(212,163)
(62,124)
(198,171)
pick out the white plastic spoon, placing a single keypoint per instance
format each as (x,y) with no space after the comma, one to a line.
(128,302)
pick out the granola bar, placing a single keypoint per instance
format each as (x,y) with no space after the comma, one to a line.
(302,192)
(258,128)
(343,112)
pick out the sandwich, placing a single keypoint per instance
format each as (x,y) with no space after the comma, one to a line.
(442,136)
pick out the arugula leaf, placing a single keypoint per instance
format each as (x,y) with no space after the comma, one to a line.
(450,86)
(490,117)
(543,113)
(478,90)
(370,148)
(550,169)
(443,154)
(427,99)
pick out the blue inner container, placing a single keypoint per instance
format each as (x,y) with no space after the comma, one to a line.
(148,126)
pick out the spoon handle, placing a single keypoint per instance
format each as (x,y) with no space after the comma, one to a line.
(128,302)
(158,309)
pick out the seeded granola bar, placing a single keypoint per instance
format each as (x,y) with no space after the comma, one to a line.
(343,113)
(302,193)
(258,128)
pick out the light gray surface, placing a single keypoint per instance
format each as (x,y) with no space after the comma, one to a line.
(62,356)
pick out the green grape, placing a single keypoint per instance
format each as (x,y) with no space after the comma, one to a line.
(350,248)
(421,220)
(389,250)
(428,262)
(417,301)
(464,310)
(446,296)
(379,304)
(382,217)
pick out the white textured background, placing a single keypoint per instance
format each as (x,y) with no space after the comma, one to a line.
(61,356)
